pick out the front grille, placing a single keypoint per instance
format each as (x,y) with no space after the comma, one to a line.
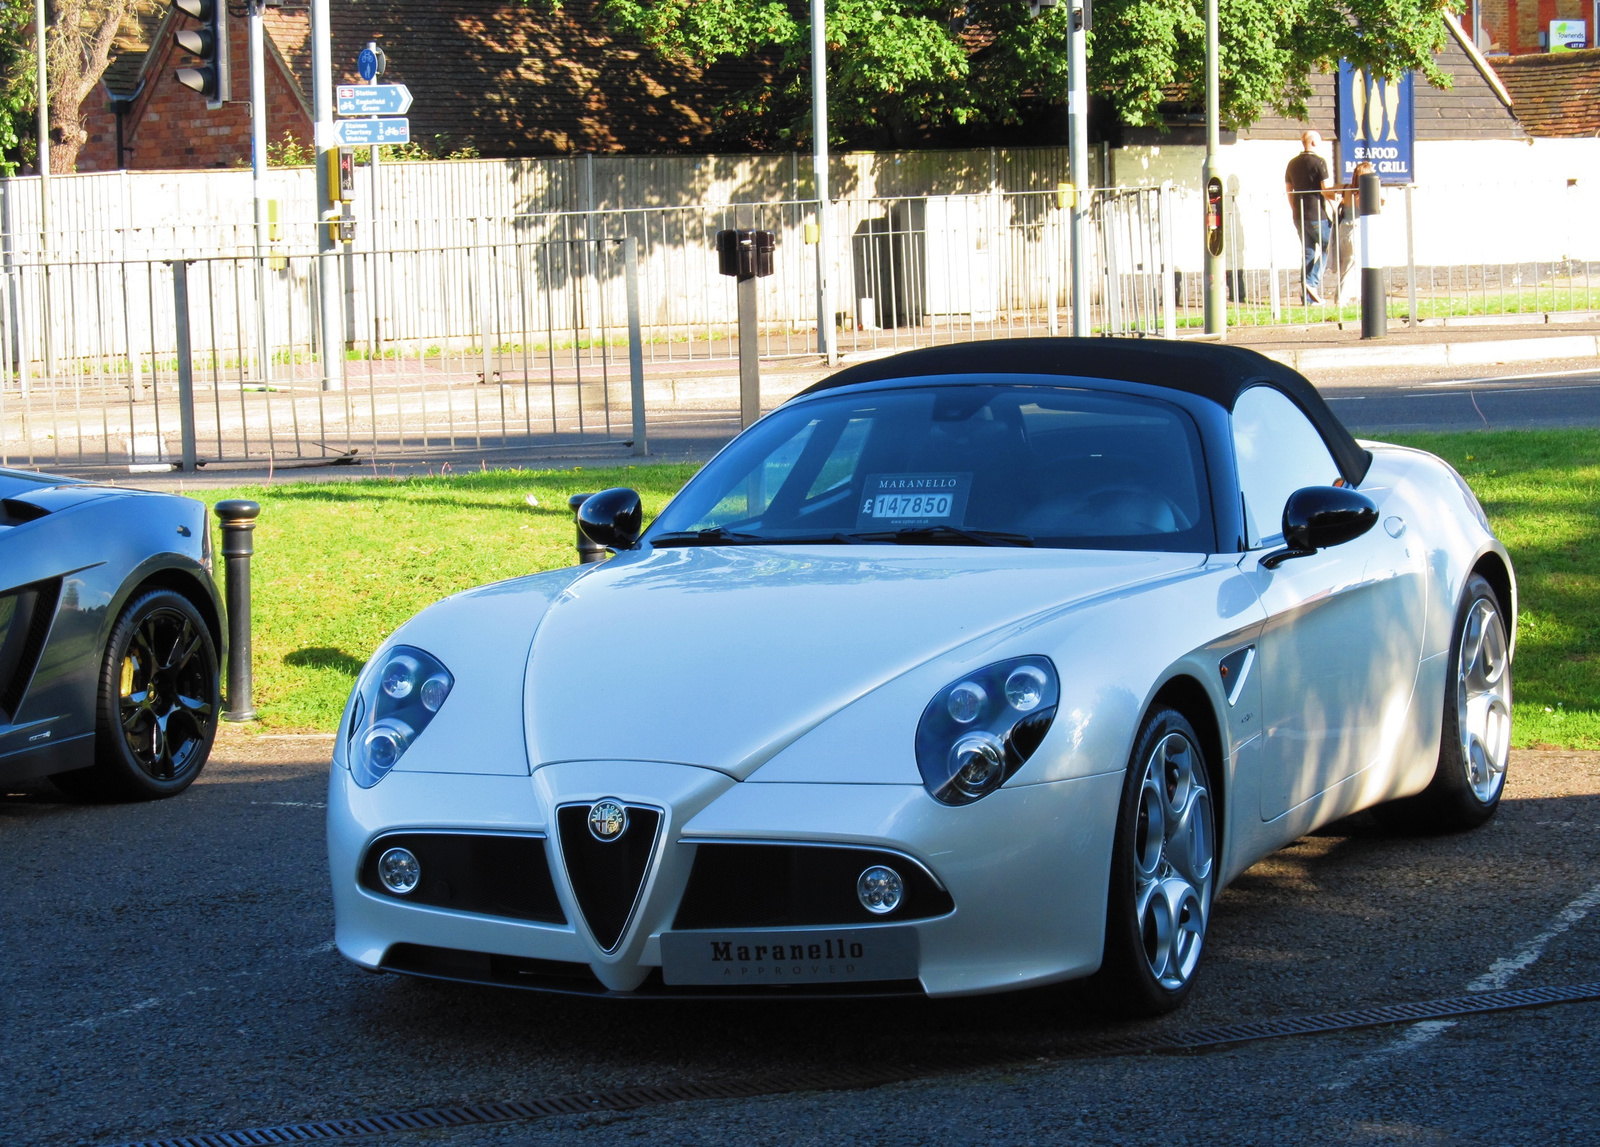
(483,968)
(607,875)
(492,875)
(788,885)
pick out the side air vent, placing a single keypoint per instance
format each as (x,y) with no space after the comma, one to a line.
(15,512)
(25,617)
(607,874)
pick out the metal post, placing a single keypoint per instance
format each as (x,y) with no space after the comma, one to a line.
(749,348)
(238,519)
(44,182)
(1411,262)
(1216,303)
(328,207)
(1169,317)
(589,550)
(258,175)
(180,312)
(827,331)
(1078,168)
(1374,315)
(630,259)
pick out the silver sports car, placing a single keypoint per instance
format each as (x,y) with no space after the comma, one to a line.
(976,668)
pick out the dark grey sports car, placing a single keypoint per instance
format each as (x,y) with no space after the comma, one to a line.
(111,635)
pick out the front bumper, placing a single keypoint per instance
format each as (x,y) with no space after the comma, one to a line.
(1026,870)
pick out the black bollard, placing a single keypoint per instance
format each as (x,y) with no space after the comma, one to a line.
(589,550)
(238,519)
(1374,303)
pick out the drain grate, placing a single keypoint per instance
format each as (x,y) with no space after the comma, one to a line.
(633,1098)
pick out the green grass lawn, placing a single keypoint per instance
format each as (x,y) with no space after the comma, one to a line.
(340,565)
(1541,489)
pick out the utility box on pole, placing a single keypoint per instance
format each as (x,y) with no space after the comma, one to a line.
(747,256)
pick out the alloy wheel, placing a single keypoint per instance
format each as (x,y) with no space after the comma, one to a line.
(166,705)
(1483,700)
(1174,853)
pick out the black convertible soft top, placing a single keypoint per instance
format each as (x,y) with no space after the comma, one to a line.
(1210,370)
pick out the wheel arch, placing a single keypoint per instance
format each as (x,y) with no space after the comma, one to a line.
(1494,570)
(1188,696)
(186,583)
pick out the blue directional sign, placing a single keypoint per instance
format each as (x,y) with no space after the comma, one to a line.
(373,99)
(366,132)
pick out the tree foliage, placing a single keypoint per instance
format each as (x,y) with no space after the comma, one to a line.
(18,87)
(898,66)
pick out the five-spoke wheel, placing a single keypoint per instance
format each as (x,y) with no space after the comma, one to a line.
(1162,869)
(158,703)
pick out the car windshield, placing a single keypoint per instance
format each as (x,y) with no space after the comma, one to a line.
(966,464)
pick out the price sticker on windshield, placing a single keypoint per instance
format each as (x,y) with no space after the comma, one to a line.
(894,501)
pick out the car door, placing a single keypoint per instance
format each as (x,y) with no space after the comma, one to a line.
(1343,636)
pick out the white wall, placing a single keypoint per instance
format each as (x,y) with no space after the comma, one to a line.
(1475,201)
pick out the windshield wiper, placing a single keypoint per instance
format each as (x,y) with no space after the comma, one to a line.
(718,536)
(945,535)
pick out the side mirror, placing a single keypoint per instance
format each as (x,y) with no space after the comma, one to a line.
(1317,517)
(612,518)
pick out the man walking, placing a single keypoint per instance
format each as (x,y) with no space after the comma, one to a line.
(1310,188)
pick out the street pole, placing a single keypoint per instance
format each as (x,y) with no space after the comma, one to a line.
(1078,165)
(258,175)
(827,333)
(330,278)
(1216,305)
(44,179)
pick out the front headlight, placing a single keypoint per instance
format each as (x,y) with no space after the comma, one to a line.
(979,730)
(393,704)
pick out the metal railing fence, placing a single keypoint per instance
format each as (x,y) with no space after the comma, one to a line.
(517,331)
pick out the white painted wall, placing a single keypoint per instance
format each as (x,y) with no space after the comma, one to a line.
(1475,201)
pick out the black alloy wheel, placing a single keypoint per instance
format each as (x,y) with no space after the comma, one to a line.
(159,699)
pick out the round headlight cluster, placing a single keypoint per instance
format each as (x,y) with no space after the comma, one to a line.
(391,708)
(979,730)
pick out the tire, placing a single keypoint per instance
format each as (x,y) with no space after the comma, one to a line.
(1163,870)
(1475,737)
(157,703)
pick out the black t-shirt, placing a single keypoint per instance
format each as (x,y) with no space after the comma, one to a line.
(1305,176)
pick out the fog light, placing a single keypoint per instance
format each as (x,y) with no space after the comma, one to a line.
(400,872)
(880,889)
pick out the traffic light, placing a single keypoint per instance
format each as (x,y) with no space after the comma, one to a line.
(210,44)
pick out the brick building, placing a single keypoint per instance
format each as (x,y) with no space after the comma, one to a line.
(505,78)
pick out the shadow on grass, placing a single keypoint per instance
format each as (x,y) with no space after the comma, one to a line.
(321,657)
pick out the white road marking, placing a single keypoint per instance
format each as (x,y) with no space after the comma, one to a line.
(1499,976)
(1515,377)
(1501,972)
(325,946)
(293,804)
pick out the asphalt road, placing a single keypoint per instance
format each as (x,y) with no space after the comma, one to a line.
(1549,396)
(167,970)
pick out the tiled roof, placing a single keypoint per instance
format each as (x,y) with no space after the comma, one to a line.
(132,45)
(512,78)
(1556,94)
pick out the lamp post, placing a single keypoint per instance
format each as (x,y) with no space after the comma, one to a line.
(827,333)
(1216,302)
(329,294)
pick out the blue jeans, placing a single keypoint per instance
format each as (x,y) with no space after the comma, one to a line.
(1315,236)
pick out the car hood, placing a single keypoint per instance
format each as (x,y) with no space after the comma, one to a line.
(722,656)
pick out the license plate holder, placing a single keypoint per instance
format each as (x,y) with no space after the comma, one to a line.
(809,956)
